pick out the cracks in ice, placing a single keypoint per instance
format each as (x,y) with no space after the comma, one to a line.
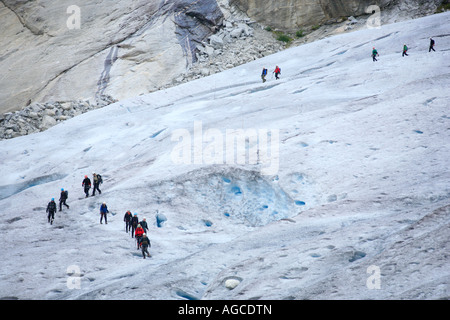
(12,189)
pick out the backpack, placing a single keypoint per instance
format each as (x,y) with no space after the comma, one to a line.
(264,71)
(67,194)
(99,179)
(146,242)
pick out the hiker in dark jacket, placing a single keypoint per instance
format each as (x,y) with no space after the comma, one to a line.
(134,224)
(62,199)
(127,218)
(97,179)
(432,43)
(145,244)
(144,225)
(87,185)
(51,209)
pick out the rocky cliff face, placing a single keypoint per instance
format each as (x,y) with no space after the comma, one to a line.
(294,14)
(53,50)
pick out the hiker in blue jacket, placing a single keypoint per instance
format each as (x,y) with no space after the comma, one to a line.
(264,74)
(103,212)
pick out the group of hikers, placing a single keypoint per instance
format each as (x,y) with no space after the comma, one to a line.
(277,73)
(52,208)
(97,179)
(405,50)
(137,228)
(375,54)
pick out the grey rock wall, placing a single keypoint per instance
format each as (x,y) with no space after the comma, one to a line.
(294,14)
(53,50)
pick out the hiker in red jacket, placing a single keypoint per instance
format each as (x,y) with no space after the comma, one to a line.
(277,72)
(138,234)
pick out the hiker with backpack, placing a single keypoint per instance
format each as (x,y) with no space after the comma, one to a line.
(62,199)
(138,234)
(277,72)
(103,212)
(97,179)
(432,43)
(134,224)
(51,209)
(127,219)
(264,74)
(145,244)
(375,54)
(144,224)
(405,49)
(87,185)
